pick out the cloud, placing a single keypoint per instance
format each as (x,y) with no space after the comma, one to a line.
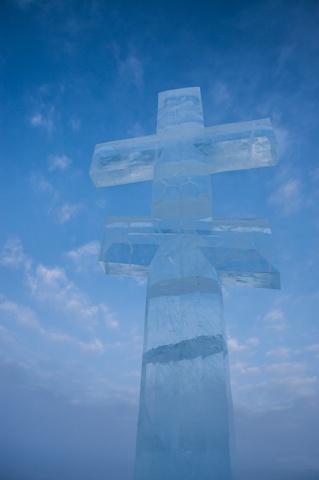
(43,119)
(59,162)
(283,138)
(313,348)
(93,346)
(40,184)
(62,211)
(46,100)
(130,67)
(25,316)
(286,368)
(86,256)
(53,286)
(67,211)
(13,255)
(305,385)
(243,368)
(288,383)
(75,124)
(235,346)
(279,352)
(254,341)
(137,130)
(140,281)
(275,319)
(221,94)
(288,197)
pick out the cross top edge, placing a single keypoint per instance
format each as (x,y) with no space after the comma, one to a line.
(179,108)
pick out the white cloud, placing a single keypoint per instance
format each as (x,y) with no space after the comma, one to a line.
(276,393)
(67,211)
(304,384)
(45,101)
(221,94)
(22,315)
(40,183)
(6,335)
(86,256)
(75,124)
(288,197)
(313,347)
(283,139)
(286,368)
(136,130)
(235,346)
(130,68)
(43,120)
(140,281)
(243,368)
(13,255)
(275,319)
(93,346)
(53,286)
(59,162)
(279,352)
(59,337)
(61,211)
(27,318)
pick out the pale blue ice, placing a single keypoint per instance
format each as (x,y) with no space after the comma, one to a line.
(185,421)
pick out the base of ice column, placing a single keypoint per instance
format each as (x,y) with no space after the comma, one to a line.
(183,424)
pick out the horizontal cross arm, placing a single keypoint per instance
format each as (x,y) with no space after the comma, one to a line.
(240,250)
(123,161)
(239,146)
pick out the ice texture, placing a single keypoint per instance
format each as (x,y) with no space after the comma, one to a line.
(236,146)
(185,427)
(240,250)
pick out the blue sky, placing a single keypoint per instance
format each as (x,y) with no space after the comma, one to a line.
(77,73)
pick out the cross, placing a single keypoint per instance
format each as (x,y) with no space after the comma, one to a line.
(185,414)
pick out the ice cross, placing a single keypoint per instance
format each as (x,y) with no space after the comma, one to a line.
(185,414)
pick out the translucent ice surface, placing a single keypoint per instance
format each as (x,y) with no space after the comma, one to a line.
(180,126)
(240,250)
(185,415)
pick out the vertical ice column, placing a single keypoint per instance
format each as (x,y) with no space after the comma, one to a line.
(181,186)
(183,426)
(179,108)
